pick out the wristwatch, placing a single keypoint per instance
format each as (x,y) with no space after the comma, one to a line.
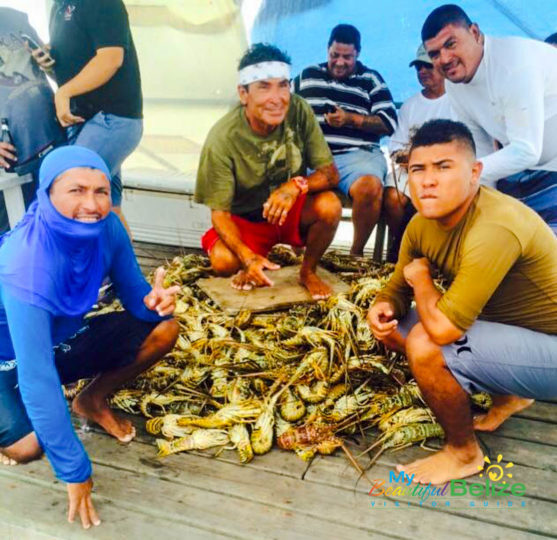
(302,183)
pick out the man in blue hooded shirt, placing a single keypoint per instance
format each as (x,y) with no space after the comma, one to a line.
(51,267)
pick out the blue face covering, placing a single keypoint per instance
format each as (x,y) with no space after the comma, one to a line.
(51,261)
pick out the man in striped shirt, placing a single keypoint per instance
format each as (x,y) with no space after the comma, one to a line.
(355,109)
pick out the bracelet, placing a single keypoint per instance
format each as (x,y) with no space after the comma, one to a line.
(301,183)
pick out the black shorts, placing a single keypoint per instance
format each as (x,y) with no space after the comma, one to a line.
(104,343)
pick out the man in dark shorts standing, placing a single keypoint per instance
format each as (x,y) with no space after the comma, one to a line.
(252,176)
(25,104)
(495,328)
(95,65)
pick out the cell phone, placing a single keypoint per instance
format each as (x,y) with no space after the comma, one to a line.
(33,45)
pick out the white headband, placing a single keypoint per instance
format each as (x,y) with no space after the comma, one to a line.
(263,71)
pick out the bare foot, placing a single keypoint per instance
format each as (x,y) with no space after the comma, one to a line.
(316,287)
(357,254)
(241,282)
(503,407)
(5,460)
(447,464)
(99,412)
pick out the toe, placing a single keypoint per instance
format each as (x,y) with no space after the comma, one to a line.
(127,438)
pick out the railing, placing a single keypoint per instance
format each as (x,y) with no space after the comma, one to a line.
(10,185)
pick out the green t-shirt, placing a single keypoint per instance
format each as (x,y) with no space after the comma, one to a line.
(238,169)
(500,262)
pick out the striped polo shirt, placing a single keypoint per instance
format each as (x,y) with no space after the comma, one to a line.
(364,92)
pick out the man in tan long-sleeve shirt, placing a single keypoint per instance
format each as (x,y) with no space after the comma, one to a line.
(495,328)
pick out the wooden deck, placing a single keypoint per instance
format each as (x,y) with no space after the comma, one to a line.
(150,256)
(277,495)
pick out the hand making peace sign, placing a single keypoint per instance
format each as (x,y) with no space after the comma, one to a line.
(161,300)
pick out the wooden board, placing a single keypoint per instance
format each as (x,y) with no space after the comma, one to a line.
(275,496)
(196,496)
(285,292)
(150,256)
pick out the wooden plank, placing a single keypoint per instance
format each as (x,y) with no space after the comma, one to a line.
(156,252)
(541,483)
(149,262)
(525,453)
(528,430)
(303,501)
(165,248)
(540,410)
(536,517)
(150,256)
(276,492)
(352,510)
(285,292)
(157,258)
(15,532)
(38,506)
(184,497)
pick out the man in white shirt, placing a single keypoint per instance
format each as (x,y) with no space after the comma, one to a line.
(428,104)
(507,88)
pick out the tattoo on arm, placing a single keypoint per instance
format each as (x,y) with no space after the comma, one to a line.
(330,174)
(371,124)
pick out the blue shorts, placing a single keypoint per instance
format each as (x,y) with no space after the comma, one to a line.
(354,164)
(105,342)
(114,138)
(500,359)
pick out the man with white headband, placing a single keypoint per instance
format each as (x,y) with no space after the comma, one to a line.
(252,174)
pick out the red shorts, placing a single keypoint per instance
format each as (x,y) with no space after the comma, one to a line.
(260,237)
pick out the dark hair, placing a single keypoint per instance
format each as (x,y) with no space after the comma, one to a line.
(441,17)
(347,34)
(263,52)
(552,39)
(442,131)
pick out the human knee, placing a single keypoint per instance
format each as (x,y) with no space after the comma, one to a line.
(394,202)
(223,262)
(165,335)
(25,450)
(421,350)
(366,189)
(171,329)
(328,208)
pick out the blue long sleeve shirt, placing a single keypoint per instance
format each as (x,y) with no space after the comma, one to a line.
(29,333)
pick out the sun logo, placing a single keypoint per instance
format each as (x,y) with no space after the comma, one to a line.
(495,471)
